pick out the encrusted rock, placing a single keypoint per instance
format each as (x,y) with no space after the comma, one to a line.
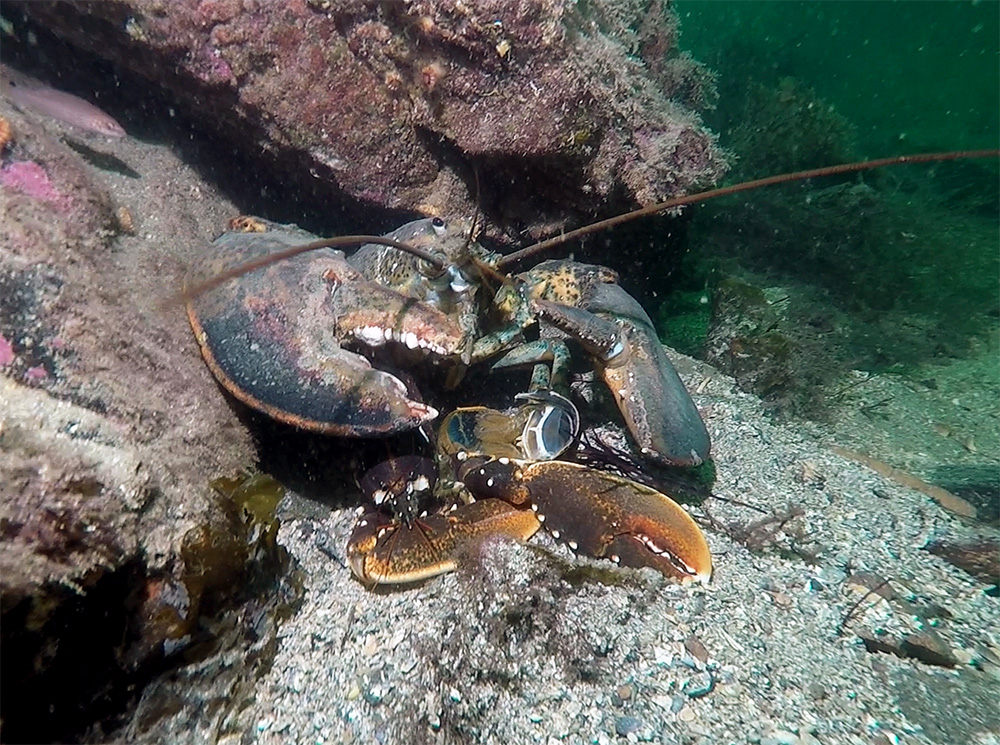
(925,645)
(379,98)
(112,543)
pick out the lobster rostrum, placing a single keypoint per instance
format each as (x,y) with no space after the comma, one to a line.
(295,328)
(501,477)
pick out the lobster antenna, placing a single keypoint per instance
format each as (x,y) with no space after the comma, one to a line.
(475,215)
(653,209)
(484,268)
(189,293)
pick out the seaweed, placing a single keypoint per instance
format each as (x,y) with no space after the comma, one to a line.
(218,614)
(783,531)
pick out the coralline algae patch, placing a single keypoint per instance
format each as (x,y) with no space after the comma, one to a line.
(8,359)
(6,351)
(30,179)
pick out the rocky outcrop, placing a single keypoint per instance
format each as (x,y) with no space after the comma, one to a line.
(114,548)
(564,109)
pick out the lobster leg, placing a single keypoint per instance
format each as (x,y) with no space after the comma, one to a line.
(550,358)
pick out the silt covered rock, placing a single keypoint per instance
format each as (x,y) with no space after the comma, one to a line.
(114,549)
(564,109)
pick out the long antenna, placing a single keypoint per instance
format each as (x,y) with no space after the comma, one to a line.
(611,222)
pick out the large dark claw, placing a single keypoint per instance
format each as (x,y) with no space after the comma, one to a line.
(273,338)
(600,514)
(382,551)
(586,302)
(650,394)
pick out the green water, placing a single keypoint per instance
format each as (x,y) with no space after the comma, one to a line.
(908,75)
(888,272)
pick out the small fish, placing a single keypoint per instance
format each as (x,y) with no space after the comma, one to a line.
(64,107)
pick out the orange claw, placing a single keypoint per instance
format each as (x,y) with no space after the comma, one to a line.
(383,551)
(602,515)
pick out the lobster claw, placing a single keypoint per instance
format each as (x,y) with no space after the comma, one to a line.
(612,326)
(274,337)
(384,551)
(599,514)
(409,548)
(650,394)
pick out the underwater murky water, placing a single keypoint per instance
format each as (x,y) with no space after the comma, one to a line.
(907,76)
(861,298)
(863,310)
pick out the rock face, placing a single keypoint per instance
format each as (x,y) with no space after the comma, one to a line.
(110,432)
(584,107)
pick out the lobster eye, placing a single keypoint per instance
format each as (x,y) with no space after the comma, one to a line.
(439,225)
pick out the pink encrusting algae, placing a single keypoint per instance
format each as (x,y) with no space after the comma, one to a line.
(65,107)
(28,177)
(6,351)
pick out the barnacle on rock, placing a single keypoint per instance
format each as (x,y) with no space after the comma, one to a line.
(246,224)
(430,76)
